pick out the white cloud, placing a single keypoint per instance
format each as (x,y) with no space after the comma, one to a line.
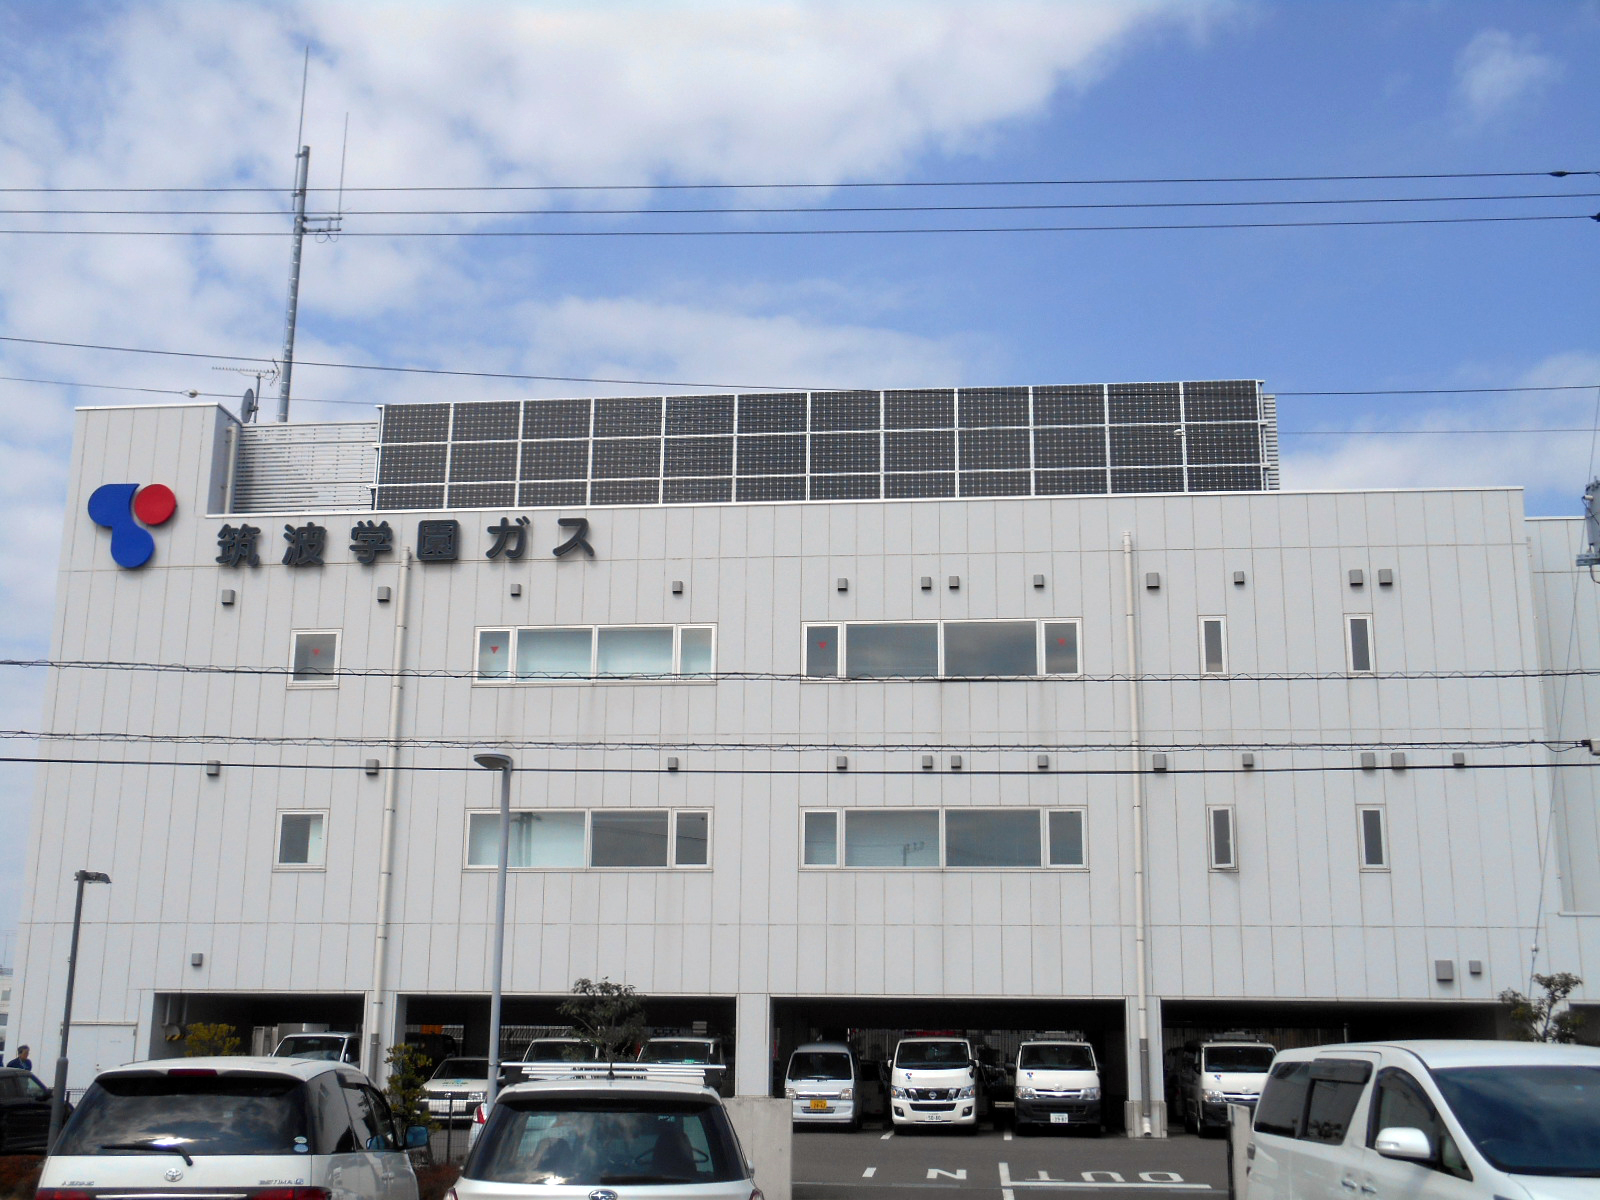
(1496,71)
(1552,467)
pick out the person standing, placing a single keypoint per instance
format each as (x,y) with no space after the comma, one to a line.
(22,1060)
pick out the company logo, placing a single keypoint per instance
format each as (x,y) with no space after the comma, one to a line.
(116,505)
(173,1174)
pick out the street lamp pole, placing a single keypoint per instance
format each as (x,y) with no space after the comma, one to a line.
(58,1097)
(496,760)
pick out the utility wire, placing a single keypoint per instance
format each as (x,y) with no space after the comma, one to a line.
(911,183)
(473,769)
(786,677)
(778,747)
(795,209)
(745,233)
(346,366)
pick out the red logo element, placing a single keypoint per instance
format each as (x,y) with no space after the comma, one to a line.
(154,504)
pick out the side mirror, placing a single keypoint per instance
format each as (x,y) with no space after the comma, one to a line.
(1403,1142)
(416,1137)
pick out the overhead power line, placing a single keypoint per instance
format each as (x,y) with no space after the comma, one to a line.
(905,183)
(674,383)
(827,772)
(781,233)
(587,745)
(764,210)
(790,677)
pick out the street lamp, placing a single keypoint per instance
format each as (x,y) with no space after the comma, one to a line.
(58,1098)
(498,760)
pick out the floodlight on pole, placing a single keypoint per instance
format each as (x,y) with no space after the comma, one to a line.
(58,1097)
(498,760)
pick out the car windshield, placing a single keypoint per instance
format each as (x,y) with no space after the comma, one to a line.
(931,1054)
(819,1064)
(1248,1059)
(668,1051)
(462,1068)
(322,1049)
(194,1115)
(558,1050)
(605,1141)
(1529,1120)
(1056,1056)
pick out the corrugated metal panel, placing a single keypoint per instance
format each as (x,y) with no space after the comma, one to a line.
(1269,440)
(306,466)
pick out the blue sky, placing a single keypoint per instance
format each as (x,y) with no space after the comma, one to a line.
(161,94)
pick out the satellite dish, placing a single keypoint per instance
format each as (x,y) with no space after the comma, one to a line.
(247,411)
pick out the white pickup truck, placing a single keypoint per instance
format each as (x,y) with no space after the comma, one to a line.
(1423,1120)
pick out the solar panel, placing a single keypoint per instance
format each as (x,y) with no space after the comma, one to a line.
(911,443)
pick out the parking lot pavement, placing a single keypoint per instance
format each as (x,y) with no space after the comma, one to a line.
(995,1163)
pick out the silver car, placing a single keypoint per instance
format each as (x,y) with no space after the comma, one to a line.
(619,1130)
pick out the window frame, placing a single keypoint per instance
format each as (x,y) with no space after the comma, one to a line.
(588,864)
(331,679)
(1350,644)
(840,838)
(513,678)
(277,841)
(1213,859)
(1383,837)
(1222,637)
(842,637)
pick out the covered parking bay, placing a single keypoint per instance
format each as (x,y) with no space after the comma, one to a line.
(872,1026)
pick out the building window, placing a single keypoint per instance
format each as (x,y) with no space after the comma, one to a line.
(1374,842)
(1066,838)
(596,652)
(1213,646)
(1358,643)
(573,839)
(962,838)
(300,839)
(942,649)
(1219,829)
(315,658)
(820,839)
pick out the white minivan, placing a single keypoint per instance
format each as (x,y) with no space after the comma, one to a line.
(1058,1083)
(823,1085)
(934,1081)
(271,1128)
(1425,1120)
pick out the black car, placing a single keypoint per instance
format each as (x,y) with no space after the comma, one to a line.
(24,1112)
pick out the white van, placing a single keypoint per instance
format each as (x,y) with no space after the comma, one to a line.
(323,1046)
(1431,1120)
(823,1085)
(934,1081)
(1058,1083)
(1215,1074)
(232,1125)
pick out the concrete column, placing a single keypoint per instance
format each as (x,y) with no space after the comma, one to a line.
(752,1057)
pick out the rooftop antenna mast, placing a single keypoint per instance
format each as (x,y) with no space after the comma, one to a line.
(318,225)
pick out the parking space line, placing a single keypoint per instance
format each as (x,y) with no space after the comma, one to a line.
(869,1172)
(1007,1137)
(887,1136)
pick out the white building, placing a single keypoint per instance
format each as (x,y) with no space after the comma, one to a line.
(1332,783)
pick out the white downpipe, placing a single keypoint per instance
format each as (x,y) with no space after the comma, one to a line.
(377,1008)
(1139,932)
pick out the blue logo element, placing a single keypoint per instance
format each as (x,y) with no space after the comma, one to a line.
(115,506)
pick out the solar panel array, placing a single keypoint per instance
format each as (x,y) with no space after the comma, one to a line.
(1090,439)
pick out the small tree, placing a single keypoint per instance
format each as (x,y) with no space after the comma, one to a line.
(608,1016)
(204,1040)
(408,1071)
(1548,1017)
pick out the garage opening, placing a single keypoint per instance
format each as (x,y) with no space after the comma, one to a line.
(873,1025)
(256,1017)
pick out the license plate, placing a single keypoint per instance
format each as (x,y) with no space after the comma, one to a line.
(1060,1118)
(819,1106)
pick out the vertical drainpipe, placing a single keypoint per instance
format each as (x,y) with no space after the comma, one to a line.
(377,1010)
(1139,933)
